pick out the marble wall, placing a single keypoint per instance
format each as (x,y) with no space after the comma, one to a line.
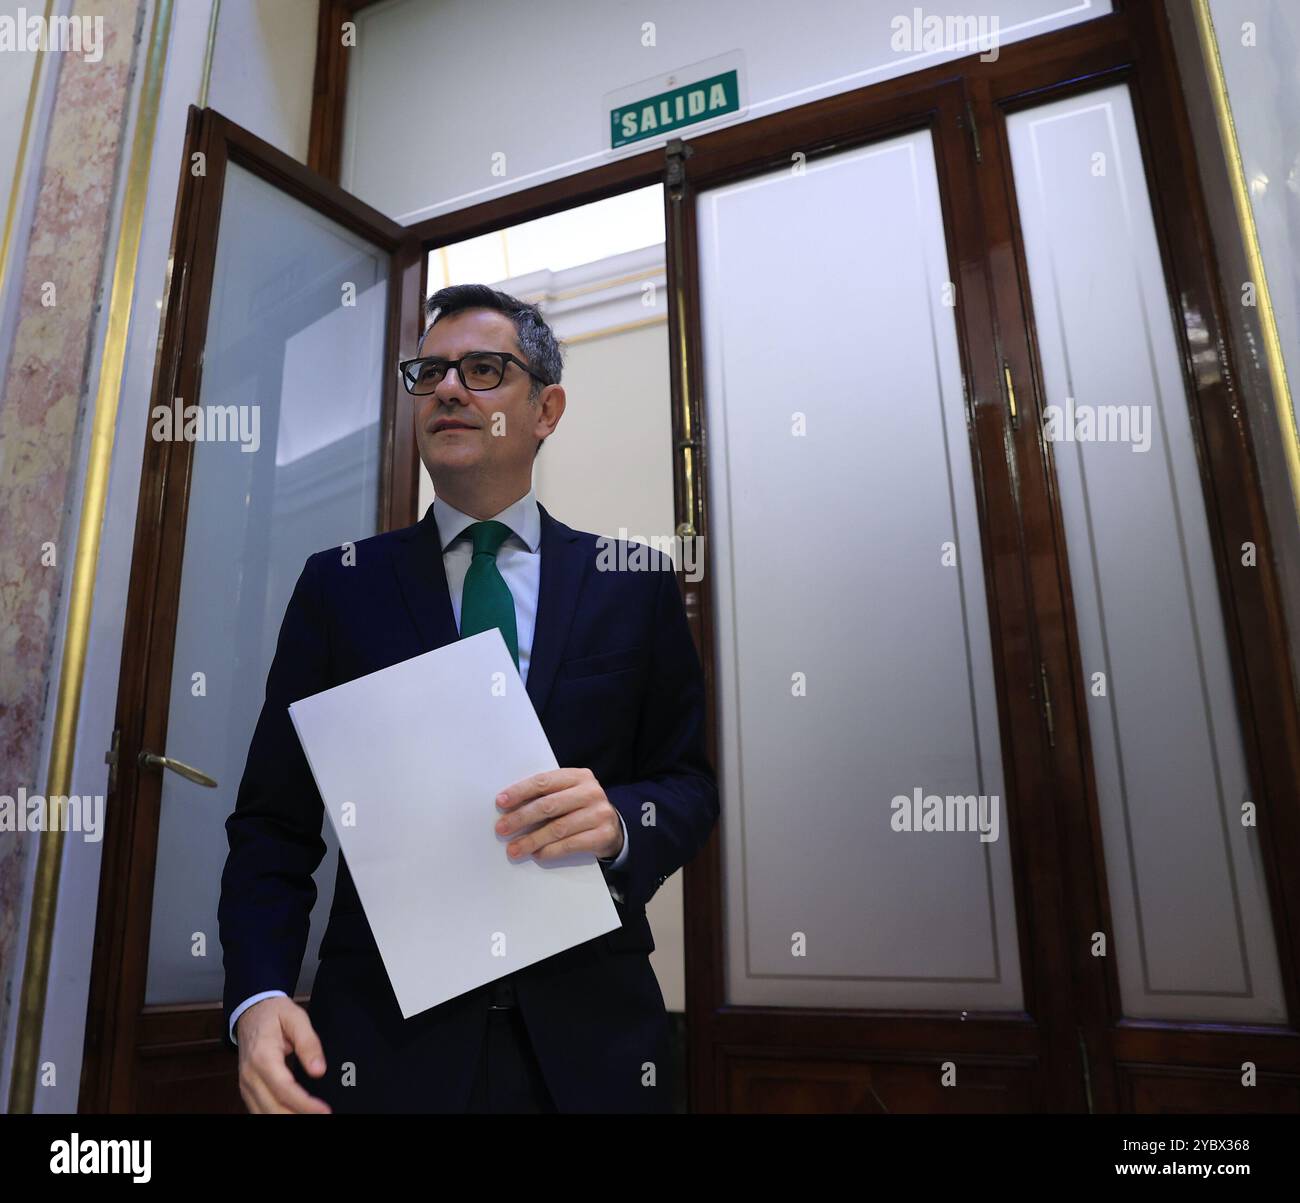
(45,408)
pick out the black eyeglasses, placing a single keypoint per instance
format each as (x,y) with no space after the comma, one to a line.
(478,370)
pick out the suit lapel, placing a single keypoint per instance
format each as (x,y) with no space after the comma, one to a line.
(423,582)
(563,570)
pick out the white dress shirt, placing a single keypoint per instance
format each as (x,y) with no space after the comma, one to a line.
(520,562)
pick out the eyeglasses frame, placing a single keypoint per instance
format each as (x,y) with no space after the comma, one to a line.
(455,363)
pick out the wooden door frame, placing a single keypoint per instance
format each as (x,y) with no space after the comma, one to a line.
(121,1031)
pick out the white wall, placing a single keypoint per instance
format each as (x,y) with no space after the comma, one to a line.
(422,126)
(609,463)
(263,67)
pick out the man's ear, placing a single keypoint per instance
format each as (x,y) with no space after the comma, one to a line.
(550,408)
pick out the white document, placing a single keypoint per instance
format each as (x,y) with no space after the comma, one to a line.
(409,761)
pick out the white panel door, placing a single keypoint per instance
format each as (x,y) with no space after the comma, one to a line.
(855,675)
(1193,932)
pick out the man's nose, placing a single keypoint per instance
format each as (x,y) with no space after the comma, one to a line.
(447,391)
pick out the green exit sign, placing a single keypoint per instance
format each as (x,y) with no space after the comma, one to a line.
(668,111)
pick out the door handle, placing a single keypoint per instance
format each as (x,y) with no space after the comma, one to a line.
(151,760)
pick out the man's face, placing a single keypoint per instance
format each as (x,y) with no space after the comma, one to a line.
(491,433)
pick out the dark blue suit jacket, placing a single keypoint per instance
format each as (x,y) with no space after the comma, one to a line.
(617,684)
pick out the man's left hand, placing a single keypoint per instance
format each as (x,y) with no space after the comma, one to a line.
(574,813)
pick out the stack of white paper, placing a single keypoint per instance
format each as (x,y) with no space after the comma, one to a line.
(409,761)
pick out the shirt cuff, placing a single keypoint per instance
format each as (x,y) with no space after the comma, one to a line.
(248,1002)
(621,858)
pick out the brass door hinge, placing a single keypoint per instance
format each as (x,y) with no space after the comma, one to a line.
(676,152)
(110,759)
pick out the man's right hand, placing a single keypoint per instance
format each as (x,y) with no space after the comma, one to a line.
(267,1033)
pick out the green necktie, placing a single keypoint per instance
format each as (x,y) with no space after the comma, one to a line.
(486,601)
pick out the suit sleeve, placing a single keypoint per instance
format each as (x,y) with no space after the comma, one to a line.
(274,833)
(671,804)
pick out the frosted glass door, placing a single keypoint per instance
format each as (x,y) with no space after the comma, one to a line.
(1193,934)
(295,347)
(855,674)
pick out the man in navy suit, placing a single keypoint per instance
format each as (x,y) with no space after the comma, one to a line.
(609,664)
